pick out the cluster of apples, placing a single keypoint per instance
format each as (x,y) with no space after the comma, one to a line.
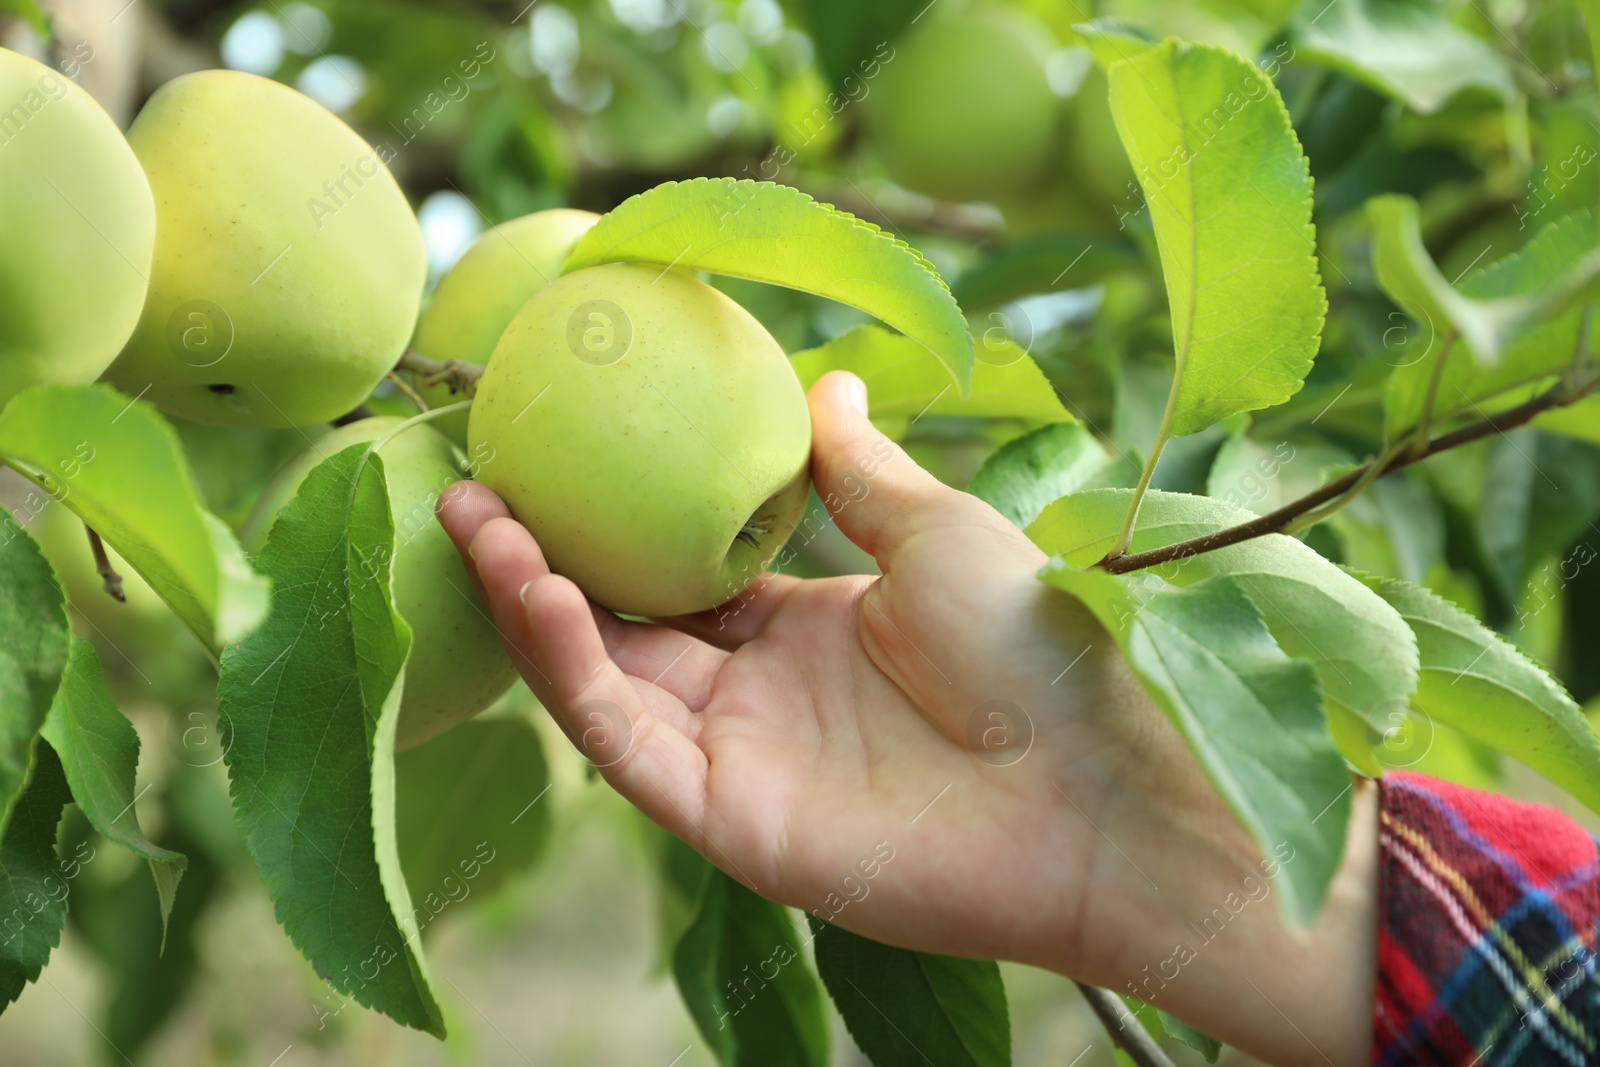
(244,258)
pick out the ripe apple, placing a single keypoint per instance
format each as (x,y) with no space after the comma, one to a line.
(457,666)
(477,297)
(649,432)
(288,265)
(963,111)
(78,226)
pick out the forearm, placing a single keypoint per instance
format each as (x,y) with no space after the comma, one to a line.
(1204,940)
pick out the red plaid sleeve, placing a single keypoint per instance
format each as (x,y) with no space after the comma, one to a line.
(1487,936)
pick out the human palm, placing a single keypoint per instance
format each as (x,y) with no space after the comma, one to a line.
(951,757)
(846,745)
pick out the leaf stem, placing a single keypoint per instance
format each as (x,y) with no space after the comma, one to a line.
(1423,432)
(110,580)
(1277,521)
(1115,1016)
(410,393)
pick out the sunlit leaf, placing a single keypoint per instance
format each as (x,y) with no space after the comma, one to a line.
(903,382)
(1543,282)
(1581,421)
(747,985)
(776,234)
(119,466)
(99,752)
(33,652)
(905,1008)
(1477,682)
(1364,653)
(1252,715)
(308,705)
(1537,352)
(1230,197)
(1408,49)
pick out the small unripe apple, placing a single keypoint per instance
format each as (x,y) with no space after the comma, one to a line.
(457,665)
(77,226)
(288,264)
(963,111)
(475,300)
(649,432)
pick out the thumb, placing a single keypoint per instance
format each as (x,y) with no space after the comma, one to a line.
(878,496)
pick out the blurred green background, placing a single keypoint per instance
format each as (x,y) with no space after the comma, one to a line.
(979,132)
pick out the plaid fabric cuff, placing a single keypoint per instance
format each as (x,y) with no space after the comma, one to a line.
(1487,938)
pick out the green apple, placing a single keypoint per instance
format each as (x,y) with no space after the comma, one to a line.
(457,666)
(963,110)
(477,297)
(649,432)
(77,228)
(288,265)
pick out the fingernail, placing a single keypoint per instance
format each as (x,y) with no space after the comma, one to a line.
(472,550)
(856,390)
(522,594)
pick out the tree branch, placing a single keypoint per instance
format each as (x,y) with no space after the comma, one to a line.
(110,580)
(462,377)
(1277,521)
(1115,1016)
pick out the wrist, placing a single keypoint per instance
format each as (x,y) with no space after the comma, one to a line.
(1197,932)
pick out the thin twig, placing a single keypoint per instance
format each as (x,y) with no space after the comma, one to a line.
(462,377)
(110,580)
(411,394)
(1277,521)
(1115,1016)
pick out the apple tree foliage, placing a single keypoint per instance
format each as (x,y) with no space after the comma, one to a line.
(1328,481)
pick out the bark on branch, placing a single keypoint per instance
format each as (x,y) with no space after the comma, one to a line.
(1277,521)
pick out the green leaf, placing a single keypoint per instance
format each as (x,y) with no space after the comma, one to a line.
(1539,493)
(1407,49)
(1305,599)
(1261,478)
(308,705)
(1048,263)
(33,652)
(99,752)
(1534,354)
(1581,421)
(1025,475)
(471,810)
(775,234)
(741,972)
(34,880)
(903,383)
(907,1008)
(1365,654)
(1230,198)
(119,466)
(1251,714)
(1208,1047)
(1475,681)
(1544,281)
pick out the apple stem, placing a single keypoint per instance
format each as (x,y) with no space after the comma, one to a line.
(462,377)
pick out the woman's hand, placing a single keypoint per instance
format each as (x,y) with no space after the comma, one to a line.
(952,757)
